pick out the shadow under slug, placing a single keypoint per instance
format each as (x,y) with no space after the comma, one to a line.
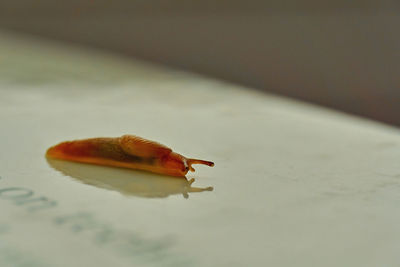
(127,182)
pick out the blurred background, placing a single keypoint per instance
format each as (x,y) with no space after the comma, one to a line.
(340,54)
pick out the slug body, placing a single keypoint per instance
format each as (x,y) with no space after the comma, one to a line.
(127,151)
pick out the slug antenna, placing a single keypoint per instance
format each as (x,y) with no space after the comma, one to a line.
(198,161)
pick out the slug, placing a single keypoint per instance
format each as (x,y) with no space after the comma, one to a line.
(127,151)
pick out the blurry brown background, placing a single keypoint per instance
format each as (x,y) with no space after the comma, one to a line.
(335,53)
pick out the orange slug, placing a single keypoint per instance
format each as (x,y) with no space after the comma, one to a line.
(127,151)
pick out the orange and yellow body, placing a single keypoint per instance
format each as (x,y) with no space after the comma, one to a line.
(127,151)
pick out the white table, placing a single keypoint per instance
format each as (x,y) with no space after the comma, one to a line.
(294,184)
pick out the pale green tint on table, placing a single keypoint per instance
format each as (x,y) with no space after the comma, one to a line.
(293,184)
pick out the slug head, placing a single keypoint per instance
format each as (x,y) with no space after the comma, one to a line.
(177,165)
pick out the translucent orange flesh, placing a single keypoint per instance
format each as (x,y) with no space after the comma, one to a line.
(134,153)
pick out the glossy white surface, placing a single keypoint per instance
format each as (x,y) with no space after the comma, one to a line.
(294,184)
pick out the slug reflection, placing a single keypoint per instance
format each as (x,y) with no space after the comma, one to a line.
(126,181)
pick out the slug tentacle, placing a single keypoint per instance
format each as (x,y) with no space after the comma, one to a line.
(190,162)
